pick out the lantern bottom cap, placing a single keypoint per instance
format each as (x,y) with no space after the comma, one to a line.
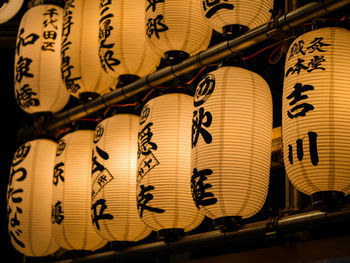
(87,96)
(227,223)
(231,31)
(126,79)
(173,57)
(327,200)
(171,234)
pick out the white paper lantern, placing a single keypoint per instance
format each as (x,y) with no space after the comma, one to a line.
(81,69)
(316,112)
(38,83)
(123,46)
(231,143)
(250,14)
(9,9)
(29,198)
(71,206)
(176,25)
(164,161)
(114,209)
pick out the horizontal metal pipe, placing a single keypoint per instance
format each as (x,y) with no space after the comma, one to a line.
(283,24)
(216,238)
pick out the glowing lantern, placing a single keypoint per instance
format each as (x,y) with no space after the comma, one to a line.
(176,26)
(71,216)
(164,197)
(231,143)
(8,9)
(316,112)
(29,198)
(124,50)
(81,69)
(114,180)
(38,84)
(226,15)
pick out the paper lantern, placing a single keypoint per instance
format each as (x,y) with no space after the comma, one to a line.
(231,143)
(29,198)
(114,209)
(123,46)
(8,9)
(81,69)
(225,13)
(316,114)
(176,26)
(38,84)
(71,216)
(164,161)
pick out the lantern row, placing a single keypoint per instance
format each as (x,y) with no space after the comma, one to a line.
(89,47)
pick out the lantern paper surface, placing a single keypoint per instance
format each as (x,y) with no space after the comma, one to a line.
(123,45)
(29,198)
(231,143)
(9,9)
(236,12)
(164,161)
(177,25)
(81,69)
(71,216)
(315,116)
(38,83)
(114,209)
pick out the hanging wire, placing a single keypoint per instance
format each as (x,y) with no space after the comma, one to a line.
(196,76)
(135,104)
(264,49)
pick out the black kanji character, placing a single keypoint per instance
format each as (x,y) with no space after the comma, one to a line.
(57,213)
(297,96)
(154,26)
(297,48)
(143,199)
(210,7)
(315,63)
(144,141)
(25,97)
(22,69)
(199,189)
(300,149)
(297,67)
(58,173)
(96,165)
(197,123)
(99,215)
(25,41)
(153,4)
(316,45)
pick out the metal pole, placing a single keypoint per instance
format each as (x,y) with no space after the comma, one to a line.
(282,25)
(212,239)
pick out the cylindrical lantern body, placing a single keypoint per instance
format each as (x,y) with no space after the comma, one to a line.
(177,26)
(29,198)
(245,13)
(71,216)
(114,209)
(316,113)
(123,45)
(9,9)
(81,69)
(38,83)
(231,143)
(164,161)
